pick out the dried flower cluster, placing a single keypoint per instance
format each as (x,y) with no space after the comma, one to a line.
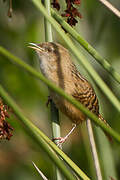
(56,4)
(71,12)
(5,128)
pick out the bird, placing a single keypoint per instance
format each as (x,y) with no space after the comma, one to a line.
(57,66)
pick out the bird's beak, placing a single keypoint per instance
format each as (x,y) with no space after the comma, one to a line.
(36,47)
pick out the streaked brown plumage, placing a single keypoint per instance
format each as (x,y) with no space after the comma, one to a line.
(57,66)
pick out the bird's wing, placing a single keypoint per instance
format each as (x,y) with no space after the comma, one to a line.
(85,94)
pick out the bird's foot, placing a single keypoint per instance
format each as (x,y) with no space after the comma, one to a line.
(60,140)
(48,101)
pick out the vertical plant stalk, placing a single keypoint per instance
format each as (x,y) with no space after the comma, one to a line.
(48,28)
(54,110)
(55,132)
(94,150)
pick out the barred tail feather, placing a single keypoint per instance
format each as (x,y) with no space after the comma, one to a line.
(108,136)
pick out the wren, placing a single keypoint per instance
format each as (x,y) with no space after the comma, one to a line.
(57,66)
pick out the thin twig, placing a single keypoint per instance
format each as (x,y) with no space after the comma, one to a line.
(39,171)
(111,7)
(94,150)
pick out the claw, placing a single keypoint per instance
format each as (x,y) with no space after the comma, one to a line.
(48,101)
(61,140)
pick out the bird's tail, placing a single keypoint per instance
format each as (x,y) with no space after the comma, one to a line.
(108,136)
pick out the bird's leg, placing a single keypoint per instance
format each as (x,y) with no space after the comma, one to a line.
(48,101)
(61,140)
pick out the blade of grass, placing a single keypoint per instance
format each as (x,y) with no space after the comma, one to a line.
(87,46)
(60,91)
(43,141)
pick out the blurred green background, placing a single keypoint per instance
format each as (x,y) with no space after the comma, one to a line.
(102,30)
